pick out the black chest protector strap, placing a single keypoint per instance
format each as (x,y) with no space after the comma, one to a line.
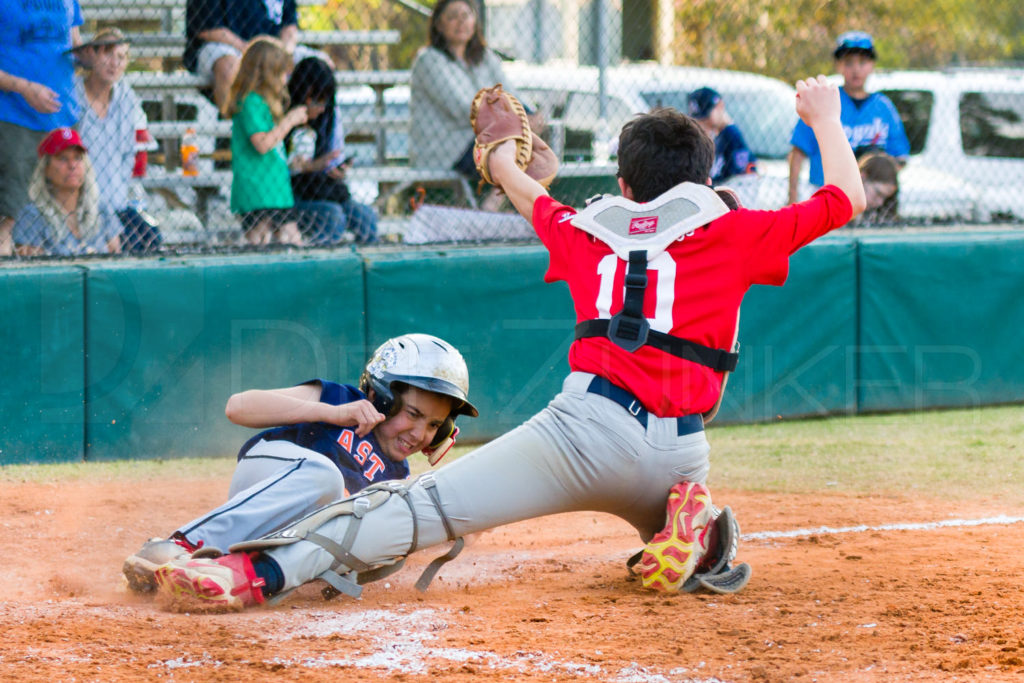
(630,330)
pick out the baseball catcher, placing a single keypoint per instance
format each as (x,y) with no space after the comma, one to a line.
(497,117)
(657,276)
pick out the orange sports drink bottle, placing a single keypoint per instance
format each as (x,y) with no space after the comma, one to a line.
(190,153)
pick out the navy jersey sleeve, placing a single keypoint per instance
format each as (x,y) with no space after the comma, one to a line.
(738,157)
(336,394)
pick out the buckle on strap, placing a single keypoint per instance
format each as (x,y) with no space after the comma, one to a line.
(629,328)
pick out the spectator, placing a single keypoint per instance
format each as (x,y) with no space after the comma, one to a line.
(870,120)
(879,172)
(64,216)
(110,115)
(318,174)
(261,189)
(732,156)
(216,33)
(446,75)
(36,93)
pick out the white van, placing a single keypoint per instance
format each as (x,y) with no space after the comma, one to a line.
(968,123)
(762,107)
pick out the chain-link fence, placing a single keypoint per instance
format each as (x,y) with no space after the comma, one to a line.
(350,126)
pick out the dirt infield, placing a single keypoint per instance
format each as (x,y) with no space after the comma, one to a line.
(539,601)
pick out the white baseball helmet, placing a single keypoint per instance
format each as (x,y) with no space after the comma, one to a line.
(422,361)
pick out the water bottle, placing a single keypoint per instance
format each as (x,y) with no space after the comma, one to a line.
(190,153)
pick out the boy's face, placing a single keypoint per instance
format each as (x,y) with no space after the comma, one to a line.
(855,67)
(414,426)
(718,118)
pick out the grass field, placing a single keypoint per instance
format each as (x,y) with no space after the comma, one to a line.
(947,453)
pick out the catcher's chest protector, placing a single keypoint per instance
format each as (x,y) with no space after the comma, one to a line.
(638,233)
(626,226)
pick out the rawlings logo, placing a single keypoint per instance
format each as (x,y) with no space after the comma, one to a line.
(643,226)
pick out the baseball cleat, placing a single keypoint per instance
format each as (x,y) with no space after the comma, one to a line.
(228,582)
(729,580)
(674,553)
(138,568)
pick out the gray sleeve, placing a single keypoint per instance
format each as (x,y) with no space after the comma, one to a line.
(443,82)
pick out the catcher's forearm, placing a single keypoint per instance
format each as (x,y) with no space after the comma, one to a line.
(522,190)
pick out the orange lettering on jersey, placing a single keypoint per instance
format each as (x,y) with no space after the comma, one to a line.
(375,466)
(363,451)
(345,440)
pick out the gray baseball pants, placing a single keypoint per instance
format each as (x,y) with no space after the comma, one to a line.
(581,452)
(275,483)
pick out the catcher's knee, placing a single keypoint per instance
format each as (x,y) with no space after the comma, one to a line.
(348,572)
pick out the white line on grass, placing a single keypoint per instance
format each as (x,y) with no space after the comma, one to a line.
(910,526)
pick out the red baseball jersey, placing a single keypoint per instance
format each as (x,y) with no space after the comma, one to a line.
(694,290)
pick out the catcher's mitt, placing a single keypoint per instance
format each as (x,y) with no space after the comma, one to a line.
(497,116)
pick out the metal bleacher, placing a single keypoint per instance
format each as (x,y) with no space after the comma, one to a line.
(155,28)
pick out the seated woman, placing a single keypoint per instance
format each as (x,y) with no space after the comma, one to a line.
(318,169)
(64,217)
(879,172)
(446,75)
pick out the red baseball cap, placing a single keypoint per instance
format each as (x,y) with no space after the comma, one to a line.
(59,140)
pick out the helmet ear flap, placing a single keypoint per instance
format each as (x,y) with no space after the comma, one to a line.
(443,432)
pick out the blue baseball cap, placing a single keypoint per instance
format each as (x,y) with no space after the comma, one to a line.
(701,101)
(854,41)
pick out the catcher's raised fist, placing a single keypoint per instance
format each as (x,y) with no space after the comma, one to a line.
(497,116)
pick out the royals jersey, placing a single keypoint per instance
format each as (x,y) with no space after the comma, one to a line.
(872,123)
(359,458)
(694,290)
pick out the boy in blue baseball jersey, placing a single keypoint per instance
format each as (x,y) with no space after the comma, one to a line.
(322,441)
(870,120)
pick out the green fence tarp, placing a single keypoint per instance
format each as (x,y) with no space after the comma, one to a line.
(942,321)
(137,359)
(513,329)
(796,340)
(169,342)
(42,365)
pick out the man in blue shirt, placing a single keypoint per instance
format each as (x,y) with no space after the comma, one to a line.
(36,93)
(870,120)
(732,156)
